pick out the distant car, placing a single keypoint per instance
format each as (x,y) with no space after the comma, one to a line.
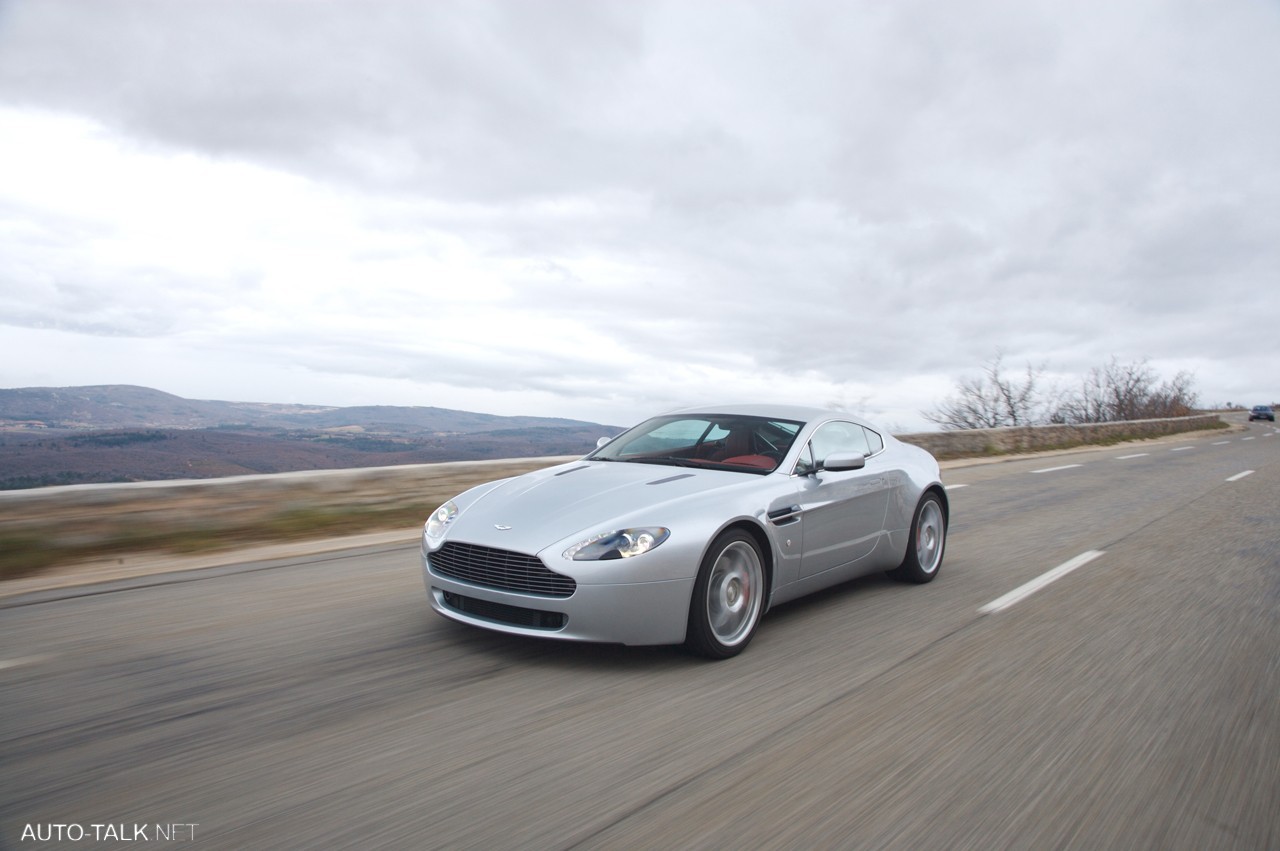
(688,528)
(1262,412)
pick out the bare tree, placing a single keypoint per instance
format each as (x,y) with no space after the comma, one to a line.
(992,400)
(1174,398)
(1117,392)
(1110,393)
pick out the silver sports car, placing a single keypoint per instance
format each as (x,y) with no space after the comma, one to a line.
(688,528)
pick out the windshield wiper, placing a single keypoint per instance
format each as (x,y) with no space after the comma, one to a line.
(663,460)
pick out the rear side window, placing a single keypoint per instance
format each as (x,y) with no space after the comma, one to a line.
(839,437)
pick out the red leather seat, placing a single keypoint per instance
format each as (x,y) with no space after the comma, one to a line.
(763,462)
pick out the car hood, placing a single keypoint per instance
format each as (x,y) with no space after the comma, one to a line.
(533,511)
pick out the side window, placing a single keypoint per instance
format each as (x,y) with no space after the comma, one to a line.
(839,437)
(875,441)
(716,432)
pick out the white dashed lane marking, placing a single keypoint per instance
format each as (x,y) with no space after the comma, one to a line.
(1129,458)
(1024,591)
(5,664)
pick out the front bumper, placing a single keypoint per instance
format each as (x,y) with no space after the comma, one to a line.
(628,613)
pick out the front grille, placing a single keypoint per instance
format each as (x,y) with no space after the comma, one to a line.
(502,613)
(500,569)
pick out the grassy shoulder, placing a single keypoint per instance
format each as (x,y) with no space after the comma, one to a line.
(23,555)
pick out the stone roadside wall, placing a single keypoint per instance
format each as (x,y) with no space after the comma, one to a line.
(83,515)
(972,443)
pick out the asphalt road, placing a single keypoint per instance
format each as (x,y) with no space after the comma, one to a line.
(318,702)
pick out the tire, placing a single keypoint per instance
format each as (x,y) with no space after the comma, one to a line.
(728,597)
(927,543)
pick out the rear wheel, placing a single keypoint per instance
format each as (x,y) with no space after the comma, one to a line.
(927,542)
(728,597)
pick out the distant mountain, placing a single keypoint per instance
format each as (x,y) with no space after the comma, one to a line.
(127,406)
(71,435)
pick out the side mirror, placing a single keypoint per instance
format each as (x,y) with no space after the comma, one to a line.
(838,462)
(602,441)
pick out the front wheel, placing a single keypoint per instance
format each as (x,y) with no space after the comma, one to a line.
(927,542)
(728,597)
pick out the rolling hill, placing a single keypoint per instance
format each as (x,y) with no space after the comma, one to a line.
(118,433)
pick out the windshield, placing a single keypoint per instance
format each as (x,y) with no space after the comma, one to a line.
(743,444)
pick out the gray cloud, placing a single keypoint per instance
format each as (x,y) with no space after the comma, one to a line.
(603,205)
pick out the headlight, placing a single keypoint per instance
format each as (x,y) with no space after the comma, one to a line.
(439,521)
(624,543)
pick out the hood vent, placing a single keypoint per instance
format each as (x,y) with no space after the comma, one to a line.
(671,479)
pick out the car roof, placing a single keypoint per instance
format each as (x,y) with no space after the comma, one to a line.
(798,413)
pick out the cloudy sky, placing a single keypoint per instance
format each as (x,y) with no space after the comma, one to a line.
(600,210)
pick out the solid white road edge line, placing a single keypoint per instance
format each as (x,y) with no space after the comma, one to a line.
(1238,476)
(1056,469)
(1023,591)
